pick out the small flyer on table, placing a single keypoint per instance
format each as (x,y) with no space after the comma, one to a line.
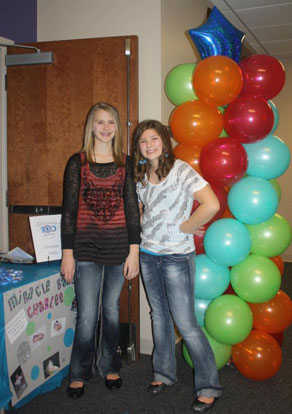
(46,236)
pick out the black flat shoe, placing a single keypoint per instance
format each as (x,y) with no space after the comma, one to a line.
(75,392)
(113,384)
(201,407)
(156,389)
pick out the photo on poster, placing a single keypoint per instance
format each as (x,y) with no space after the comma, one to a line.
(58,326)
(18,382)
(38,338)
(51,365)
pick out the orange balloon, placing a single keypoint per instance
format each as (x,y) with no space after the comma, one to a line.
(195,123)
(191,155)
(258,357)
(217,80)
(273,316)
(279,263)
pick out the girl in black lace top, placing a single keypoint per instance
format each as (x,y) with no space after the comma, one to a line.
(100,240)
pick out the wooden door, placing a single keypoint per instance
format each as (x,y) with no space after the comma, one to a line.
(47,107)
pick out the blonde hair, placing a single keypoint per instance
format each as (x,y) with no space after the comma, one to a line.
(89,138)
(166,159)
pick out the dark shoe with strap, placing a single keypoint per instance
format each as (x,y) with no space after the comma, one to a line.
(201,407)
(75,392)
(156,389)
(113,384)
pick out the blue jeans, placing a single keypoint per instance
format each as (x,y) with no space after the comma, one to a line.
(97,289)
(169,284)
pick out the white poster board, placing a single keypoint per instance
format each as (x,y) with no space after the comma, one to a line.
(46,236)
(39,331)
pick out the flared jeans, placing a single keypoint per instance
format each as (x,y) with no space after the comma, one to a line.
(97,289)
(169,284)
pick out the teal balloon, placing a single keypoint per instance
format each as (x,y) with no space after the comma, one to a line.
(276,116)
(178,84)
(277,188)
(211,279)
(252,200)
(227,242)
(228,319)
(257,279)
(201,306)
(221,352)
(270,238)
(268,158)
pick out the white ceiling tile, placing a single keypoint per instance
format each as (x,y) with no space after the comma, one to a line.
(257,17)
(270,33)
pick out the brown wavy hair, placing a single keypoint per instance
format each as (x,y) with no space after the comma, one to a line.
(166,159)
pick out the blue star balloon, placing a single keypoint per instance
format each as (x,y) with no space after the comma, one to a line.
(217,37)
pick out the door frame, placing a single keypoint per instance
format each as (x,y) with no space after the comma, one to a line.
(4,234)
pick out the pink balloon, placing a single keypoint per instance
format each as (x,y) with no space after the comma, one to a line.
(263,76)
(223,162)
(248,119)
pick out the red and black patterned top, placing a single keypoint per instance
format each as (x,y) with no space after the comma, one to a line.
(100,211)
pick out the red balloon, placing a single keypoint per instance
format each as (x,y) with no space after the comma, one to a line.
(196,123)
(229,291)
(279,337)
(191,155)
(274,315)
(248,119)
(222,197)
(258,357)
(263,76)
(279,263)
(223,162)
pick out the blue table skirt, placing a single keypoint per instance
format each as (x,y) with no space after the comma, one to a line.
(31,273)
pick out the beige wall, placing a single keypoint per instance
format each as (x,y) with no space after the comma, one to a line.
(160,26)
(284,131)
(79,19)
(177,17)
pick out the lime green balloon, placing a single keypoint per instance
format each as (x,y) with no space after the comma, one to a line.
(228,319)
(178,84)
(270,238)
(222,352)
(223,134)
(277,188)
(256,279)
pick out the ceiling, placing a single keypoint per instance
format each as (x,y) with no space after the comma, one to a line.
(267,24)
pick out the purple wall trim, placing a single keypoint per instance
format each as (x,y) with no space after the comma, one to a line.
(18,20)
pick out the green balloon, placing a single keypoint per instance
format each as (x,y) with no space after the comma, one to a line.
(178,84)
(270,238)
(228,319)
(256,279)
(277,188)
(222,352)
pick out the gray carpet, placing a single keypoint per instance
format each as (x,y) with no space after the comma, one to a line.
(240,395)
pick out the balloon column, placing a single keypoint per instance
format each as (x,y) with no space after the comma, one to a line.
(223,122)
